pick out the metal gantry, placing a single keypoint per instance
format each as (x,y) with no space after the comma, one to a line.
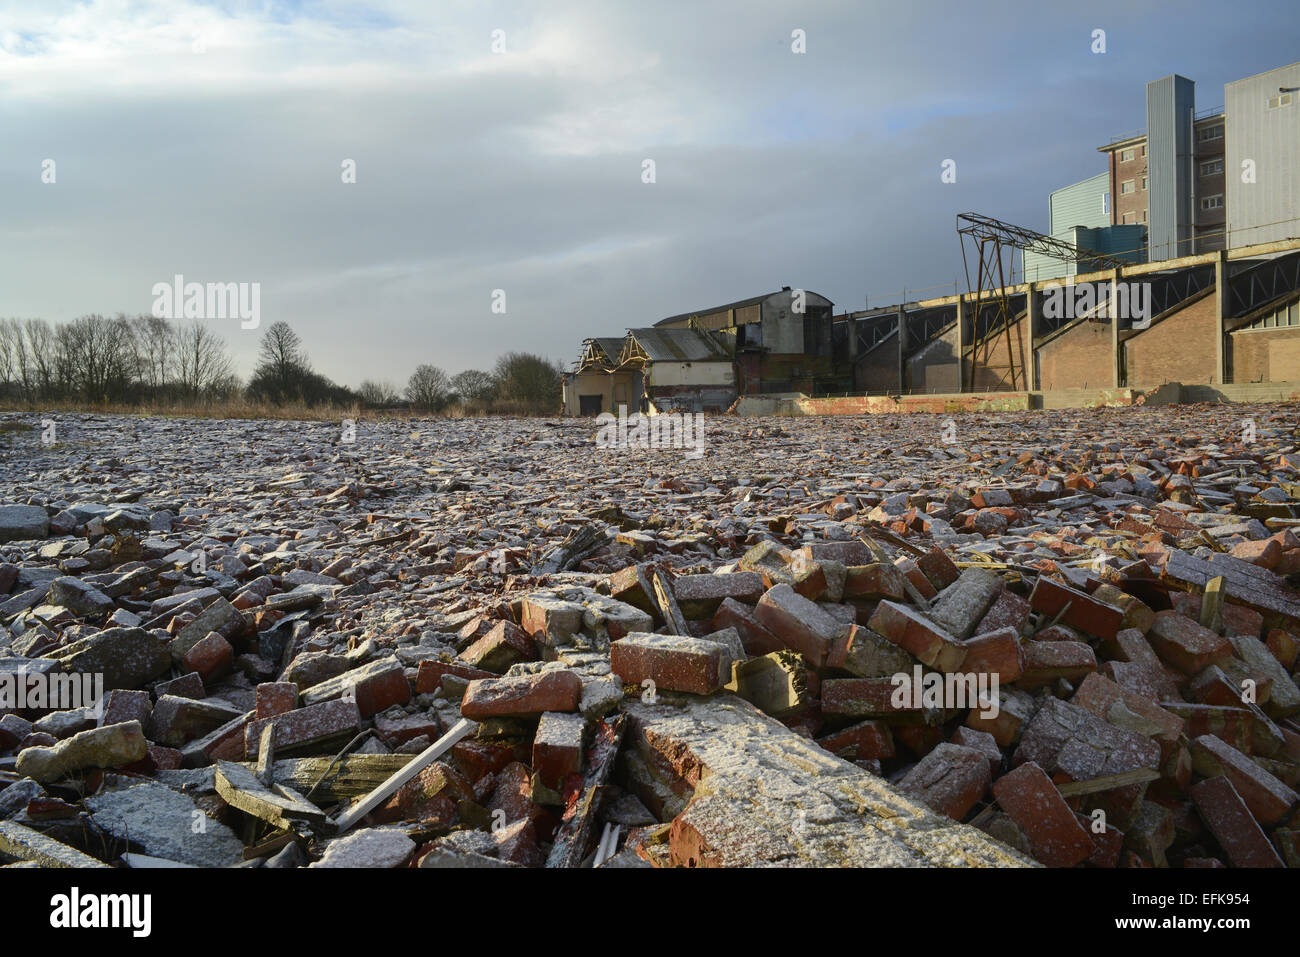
(986,241)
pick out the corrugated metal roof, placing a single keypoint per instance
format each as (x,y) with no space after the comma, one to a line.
(678,345)
(738,304)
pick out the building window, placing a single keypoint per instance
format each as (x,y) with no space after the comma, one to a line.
(1279,101)
(1128,186)
(1130,218)
(1126,155)
(1144,182)
(1105,203)
(1212,167)
(1144,215)
(1209,133)
(1212,202)
(1144,149)
(1283,316)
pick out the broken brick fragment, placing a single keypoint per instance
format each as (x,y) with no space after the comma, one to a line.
(949,780)
(523,695)
(1032,801)
(672,662)
(1186,644)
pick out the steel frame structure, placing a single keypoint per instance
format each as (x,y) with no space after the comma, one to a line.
(986,241)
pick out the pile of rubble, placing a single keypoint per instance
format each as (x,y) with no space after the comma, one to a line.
(1066,638)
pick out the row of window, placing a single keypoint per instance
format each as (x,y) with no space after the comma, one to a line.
(1279,318)
(1208,203)
(1207,133)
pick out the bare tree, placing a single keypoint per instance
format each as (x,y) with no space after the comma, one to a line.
(282,364)
(155,344)
(11,341)
(473,385)
(428,388)
(37,359)
(378,394)
(202,362)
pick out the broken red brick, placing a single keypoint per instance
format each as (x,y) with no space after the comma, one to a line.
(672,662)
(799,623)
(1085,612)
(428,677)
(304,726)
(211,656)
(1233,826)
(504,644)
(996,653)
(557,748)
(949,780)
(276,697)
(938,568)
(1268,799)
(1046,661)
(864,740)
(524,695)
(754,636)
(877,580)
(1185,644)
(926,641)
(1032,801)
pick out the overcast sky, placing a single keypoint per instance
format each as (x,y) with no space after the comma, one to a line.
(208,139)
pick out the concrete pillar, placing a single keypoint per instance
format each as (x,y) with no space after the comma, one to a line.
(961,343)
(1031,322)
(853,339)
(902,350)
(1220,316)
(1113,310)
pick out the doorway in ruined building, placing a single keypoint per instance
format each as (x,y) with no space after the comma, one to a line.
(590,404)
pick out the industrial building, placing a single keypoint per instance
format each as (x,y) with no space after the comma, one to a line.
(701,361)
(1197,218)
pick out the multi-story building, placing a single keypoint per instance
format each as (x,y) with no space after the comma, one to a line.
(1183,174)
(1171,177)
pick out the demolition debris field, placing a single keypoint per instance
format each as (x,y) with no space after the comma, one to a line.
(494,643)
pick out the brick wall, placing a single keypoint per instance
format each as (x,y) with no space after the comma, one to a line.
(1077,359)
(1180,348)
(1266,355)
(991,372)
(934,368)
(877,370)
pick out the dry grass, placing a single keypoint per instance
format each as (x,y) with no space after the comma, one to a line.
(298,411)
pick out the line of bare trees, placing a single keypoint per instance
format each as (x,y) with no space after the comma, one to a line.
(123,359)
(128,360)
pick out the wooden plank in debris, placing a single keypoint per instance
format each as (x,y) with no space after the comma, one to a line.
(280,807)
(426,757)
(351,776)
(1212,604)
(583,541)
(578,828)
(667,602)
(266,756)
(1107,782)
